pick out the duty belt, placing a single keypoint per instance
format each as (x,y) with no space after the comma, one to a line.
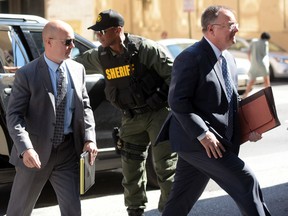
(136,111)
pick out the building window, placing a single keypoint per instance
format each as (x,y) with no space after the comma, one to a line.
(33,7)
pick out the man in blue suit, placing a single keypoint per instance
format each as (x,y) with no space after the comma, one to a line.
(203,127)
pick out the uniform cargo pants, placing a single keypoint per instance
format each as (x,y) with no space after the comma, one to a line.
(137,133)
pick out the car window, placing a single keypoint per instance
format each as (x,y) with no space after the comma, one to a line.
(20,57)
(11,50)
(6,51)
(34,40)
(21,44)
(175,49)
(81,46)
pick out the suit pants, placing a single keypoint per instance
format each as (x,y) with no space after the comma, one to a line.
(194,169)
(62,170)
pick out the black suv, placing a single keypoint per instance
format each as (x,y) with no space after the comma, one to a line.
(20,43)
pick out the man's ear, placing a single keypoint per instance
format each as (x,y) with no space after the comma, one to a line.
(210,28)
(118,29)
(47,41)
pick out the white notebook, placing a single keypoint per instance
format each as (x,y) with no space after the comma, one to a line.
(87,173)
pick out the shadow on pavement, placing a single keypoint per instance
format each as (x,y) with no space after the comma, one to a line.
(276,198)
(109,183)
(106,183)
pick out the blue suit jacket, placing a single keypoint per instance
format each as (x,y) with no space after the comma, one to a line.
(197,97)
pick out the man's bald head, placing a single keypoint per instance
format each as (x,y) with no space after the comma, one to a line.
(53,27)
(55,36)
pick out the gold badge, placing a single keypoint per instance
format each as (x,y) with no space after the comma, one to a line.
(99,18)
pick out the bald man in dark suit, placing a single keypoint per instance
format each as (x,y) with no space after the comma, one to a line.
(33,123)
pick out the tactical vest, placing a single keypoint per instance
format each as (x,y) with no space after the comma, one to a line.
(130,85)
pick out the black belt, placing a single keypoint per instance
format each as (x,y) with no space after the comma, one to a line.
(141,110)
(136,111)
(67,137)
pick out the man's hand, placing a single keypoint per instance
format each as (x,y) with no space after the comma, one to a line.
(254,136)
(212,145)
(92,149)
(31,159)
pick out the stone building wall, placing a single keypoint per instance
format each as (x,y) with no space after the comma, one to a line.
(150,18)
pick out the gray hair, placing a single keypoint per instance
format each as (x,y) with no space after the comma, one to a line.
(211,14)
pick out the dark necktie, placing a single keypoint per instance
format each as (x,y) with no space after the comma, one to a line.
(60,108)
(229,91)
(227,79)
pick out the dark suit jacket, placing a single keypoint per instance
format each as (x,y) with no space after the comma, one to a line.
(197,97)
(31,111)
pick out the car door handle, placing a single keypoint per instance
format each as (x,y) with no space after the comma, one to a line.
(7,91)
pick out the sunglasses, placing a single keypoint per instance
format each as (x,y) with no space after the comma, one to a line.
(66,42)
(103,32)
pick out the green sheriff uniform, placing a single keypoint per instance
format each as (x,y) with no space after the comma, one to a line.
(137,83)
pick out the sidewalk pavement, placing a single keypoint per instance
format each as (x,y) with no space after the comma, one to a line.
(271,171)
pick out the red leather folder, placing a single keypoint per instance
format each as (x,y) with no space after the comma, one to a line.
(257,113)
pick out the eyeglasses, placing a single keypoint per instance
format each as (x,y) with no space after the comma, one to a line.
(230,26)
(103,32)
(66,42)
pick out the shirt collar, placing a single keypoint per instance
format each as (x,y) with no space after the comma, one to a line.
(52,65)
(217,52)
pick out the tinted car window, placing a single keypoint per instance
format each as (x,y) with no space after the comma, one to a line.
(80,47)
(34,40)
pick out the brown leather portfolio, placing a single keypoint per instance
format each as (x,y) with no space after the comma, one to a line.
(257,113)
